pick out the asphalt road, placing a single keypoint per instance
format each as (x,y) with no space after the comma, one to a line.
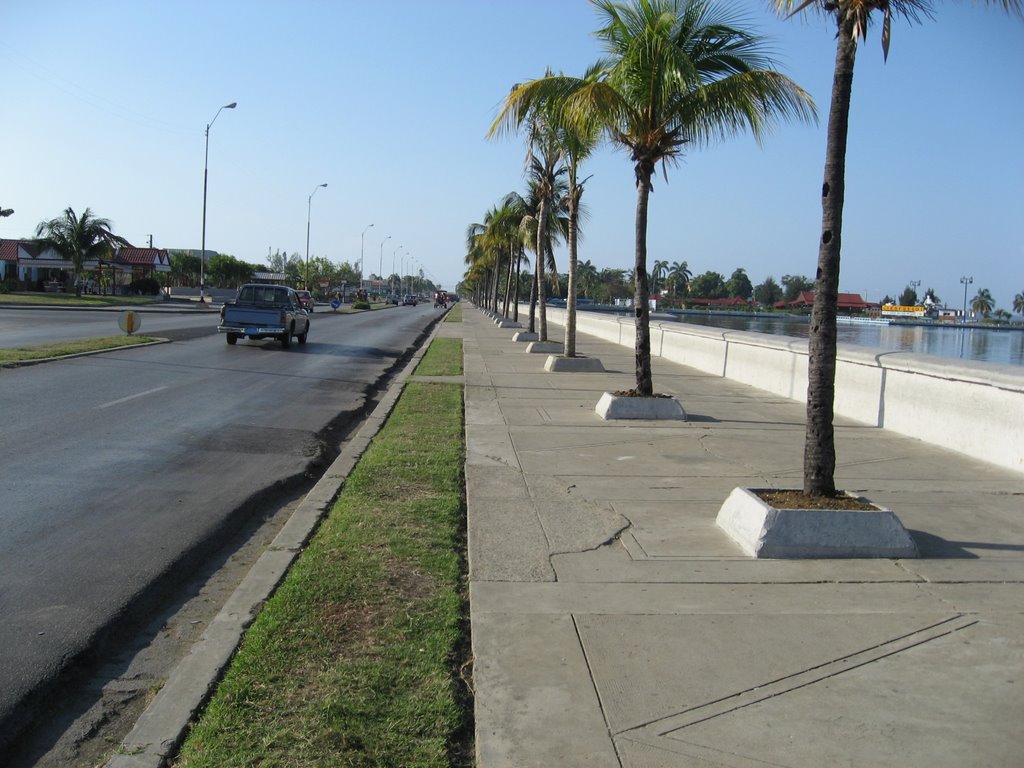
(119,469)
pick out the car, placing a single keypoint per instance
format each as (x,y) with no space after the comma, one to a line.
(306,300)
(392,299)
(410,300)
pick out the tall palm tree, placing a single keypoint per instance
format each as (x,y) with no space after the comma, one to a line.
(587,275)
(659,271)
(679,273)
(677,73)
(983,303)
(79,238)
(1018,303)
(851,18)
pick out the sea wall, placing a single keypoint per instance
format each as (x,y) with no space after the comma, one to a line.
(973,408)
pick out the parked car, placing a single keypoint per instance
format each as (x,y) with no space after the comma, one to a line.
(410,300)
(392,299)
(265,311)
(306,298)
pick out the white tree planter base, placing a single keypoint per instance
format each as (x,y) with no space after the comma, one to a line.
(762,530)
(562,364)
(506,323)
(655,408)
(543,347)
(525,336)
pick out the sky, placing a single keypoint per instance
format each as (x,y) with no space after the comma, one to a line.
(105,105)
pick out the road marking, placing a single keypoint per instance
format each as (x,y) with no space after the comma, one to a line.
(130,397)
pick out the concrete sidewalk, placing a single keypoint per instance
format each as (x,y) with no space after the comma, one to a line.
(615,625)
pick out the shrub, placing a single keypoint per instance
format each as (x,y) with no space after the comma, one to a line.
(361,305)
(146,286)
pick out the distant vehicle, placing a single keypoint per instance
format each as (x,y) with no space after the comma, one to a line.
(392,299)
(265,312)
(410,300)
(306,298)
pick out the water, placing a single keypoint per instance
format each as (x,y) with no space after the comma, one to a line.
(1004,347)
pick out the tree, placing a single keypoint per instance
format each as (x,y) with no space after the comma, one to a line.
(739,285)
(677,73)
(1018,303)
(930,294)
(708,285)
(588,277)
(983,303)
(79,239)
(659,271)
(794,285)
(768,293)
(909,297)
(679,275)
(851,18)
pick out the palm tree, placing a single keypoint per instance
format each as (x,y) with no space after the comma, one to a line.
(679,273)
(851,17)
(659,270)
(587,275)
(79,239)
(983,303)
(676,73)
(1018,303)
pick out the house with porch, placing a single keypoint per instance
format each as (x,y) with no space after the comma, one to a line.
(35,267)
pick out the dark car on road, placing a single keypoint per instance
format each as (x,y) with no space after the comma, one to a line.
(306,299)
(392,299)
(410,300)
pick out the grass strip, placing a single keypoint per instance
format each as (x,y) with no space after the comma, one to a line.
(454,314)
(354,661)
(70,300)
(443,358)
(72,347)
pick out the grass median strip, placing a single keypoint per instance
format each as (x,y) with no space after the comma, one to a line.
(356,658)
(12,355)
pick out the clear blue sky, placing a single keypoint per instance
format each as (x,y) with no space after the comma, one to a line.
(105,105)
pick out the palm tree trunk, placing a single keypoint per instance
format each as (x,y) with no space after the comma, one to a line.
(644,384)
(819,439)
(497,280)
(533,304)
(570,303)
(542,223)
(515,293)
(508,279)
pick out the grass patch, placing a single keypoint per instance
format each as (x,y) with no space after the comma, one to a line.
(70,300)
(73,347)
(455,314)
(355,660)
(443,358)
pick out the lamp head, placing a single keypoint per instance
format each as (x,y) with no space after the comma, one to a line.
(232,105)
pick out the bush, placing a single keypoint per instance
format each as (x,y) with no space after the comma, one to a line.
(361,305)
(146,286)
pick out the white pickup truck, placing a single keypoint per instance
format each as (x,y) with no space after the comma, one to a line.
(265,312)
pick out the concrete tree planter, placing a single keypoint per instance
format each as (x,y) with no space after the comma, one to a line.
(525,336)
(563,364)
(504,322)
(612,406)
(544,347)
(765,531)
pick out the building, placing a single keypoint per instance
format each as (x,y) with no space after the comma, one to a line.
(848,303)
(32,266)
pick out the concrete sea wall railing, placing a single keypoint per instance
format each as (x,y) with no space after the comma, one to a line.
(973,408)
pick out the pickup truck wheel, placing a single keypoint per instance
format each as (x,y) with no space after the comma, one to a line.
(286,339)
(232,338)
(302,336)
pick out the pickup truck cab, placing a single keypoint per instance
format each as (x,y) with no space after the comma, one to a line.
(265,312)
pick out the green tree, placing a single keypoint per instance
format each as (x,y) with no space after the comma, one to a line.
(793,285)
(930,293)
(739,285)
(79,238)
(1018,303)
(983,303)
(768,293)
(588,277)
(851,18)
(659,271)
(708,285)
(677,73)
(909,297)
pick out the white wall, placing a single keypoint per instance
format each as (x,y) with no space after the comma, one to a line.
(970,407)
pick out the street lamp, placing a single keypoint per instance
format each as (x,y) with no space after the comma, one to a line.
(362,240)
(380,263)
(309,209)
(206,165)
(966,281)
(391,287)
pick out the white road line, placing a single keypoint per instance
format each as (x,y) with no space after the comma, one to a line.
(130,397)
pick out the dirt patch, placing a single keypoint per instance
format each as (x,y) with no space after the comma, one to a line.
(786,499)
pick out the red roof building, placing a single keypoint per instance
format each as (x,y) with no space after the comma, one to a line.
(847,302)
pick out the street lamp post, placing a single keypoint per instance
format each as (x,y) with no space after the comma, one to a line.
(380,263)
(391,287)
(309,209)
(206,166)
(362,240)
(966,280)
